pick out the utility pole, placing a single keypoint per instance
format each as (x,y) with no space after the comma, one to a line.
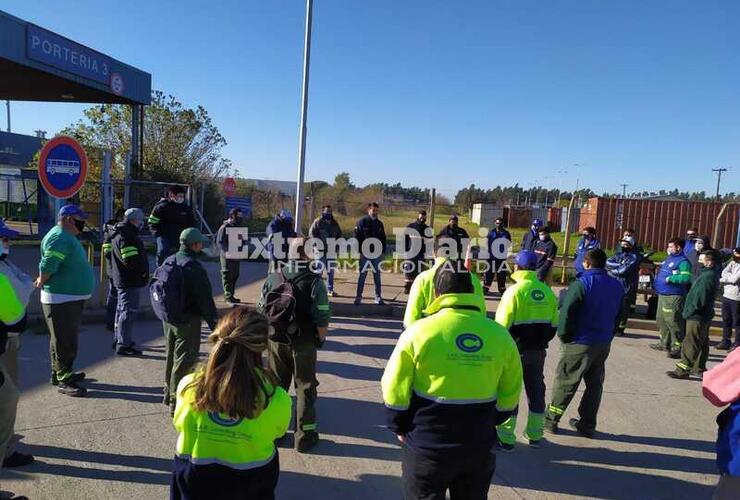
(304,115)
(719,177)
(624,190)
(7,107)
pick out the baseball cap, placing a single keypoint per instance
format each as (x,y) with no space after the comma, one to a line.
(537,222)
(630,240)
(133,214)
(453,217)
(72,210)
(526,259)
(6,232)
(191,235)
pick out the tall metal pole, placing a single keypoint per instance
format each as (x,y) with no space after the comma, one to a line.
(719,177)
(304,116)
(7,107)
(624,190)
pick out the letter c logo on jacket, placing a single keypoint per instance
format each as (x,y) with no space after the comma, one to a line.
(223,420)
(537,295)
(469,342)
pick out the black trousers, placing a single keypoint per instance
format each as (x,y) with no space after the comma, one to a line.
(467,477)
(214,481)
(730,320)
(494,268)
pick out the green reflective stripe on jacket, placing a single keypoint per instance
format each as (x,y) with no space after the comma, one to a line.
(421,294)
(456,354)
(11,308)
(127,252)
(153,219)
(213,438)
(54,253)
(555,410)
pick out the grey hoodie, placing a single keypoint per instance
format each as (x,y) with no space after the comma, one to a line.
(730,278)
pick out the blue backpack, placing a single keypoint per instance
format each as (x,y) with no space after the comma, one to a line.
(167,292)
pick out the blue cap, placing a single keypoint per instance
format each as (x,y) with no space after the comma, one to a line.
(72,210)
(537,222)
(6,232)
(526,259)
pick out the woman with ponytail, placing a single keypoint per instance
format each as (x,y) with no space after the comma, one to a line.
(228,416)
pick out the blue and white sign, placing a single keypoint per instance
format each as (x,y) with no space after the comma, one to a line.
(62,167)
(54,50)
(245,204)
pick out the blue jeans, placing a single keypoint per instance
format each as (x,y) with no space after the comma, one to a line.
(126,313)
(165,248)
(111,303)
(375,266)
(329,266)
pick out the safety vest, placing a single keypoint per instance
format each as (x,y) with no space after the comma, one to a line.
(11,308)
(670,267)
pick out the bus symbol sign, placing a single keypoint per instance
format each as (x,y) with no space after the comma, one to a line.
(62,167)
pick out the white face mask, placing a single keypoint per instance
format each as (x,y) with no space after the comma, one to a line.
(543,237)
(179,199)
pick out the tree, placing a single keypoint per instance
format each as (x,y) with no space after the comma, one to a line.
(181,144)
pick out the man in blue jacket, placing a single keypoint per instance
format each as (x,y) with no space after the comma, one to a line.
(588,241)
(279,231)
(497,236)
(672,283)
(531,237)
(588,318)
(625,266)
(370,228)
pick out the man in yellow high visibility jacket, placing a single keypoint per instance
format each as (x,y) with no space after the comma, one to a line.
(529,310)
(422,290)
(451,378)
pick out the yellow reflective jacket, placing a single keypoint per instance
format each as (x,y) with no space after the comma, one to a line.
(421,294)
(529,310)
(11,308)
(212,438)
(451,378)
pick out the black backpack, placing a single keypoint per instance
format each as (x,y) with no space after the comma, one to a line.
(285,308)
(167,292)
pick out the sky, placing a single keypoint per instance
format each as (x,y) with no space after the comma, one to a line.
(437,93)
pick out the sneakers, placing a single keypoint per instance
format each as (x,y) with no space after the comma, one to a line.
(72,389)
(723,346)
(678,374)
(308,441)
(379,301)
(17,459)
(658,347)
(675,354)
(128,351)
(551,427)
(74,378)
(504,447)
(576,425)
(332,293)
(358,301)
(232,300)
(535,443)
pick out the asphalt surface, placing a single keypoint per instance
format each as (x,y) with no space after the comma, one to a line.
(655,436)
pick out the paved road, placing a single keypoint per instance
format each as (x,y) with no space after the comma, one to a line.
(655,440)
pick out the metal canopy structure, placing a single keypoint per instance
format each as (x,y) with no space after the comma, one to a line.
(39,65)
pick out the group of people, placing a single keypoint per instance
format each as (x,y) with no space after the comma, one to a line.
(451,387)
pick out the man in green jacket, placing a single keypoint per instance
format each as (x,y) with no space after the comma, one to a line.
(698,311)
(183,340)
(66,281)
(296,361)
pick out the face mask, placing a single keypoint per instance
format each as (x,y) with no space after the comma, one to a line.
(543,237)
(80,225)
(499,225)
(671,251)
(699,247)
(326,216)
(140,225)
(373,216)
(179,199)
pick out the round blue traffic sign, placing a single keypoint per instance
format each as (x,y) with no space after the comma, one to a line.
(62,167)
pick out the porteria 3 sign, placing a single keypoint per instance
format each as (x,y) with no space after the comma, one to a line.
(62,167)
